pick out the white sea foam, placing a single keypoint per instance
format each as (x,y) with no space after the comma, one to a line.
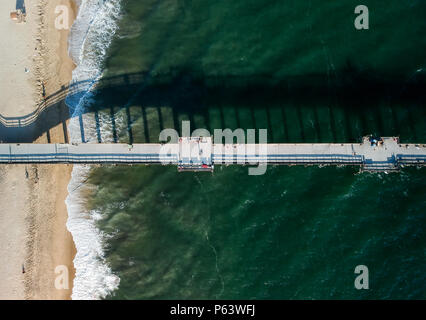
(93,279)
(90,37)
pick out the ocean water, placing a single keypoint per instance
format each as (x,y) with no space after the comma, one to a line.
(297,68)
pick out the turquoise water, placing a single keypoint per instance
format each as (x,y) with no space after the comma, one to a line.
(301,70)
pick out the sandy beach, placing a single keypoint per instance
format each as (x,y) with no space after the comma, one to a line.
(34,239)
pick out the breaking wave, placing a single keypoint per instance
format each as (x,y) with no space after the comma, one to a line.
(90,37)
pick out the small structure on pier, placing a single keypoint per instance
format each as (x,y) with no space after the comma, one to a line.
(380,154)
(195,154)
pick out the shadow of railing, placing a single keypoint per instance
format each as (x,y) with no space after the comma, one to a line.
(192,95)
(53,110)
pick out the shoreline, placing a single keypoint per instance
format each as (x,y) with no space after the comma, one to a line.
(50,244)
(34,237)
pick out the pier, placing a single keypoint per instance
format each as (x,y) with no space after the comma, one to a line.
(200,154)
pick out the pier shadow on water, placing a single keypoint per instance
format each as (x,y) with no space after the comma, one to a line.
(134,108)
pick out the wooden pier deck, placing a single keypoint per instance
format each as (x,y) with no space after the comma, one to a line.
(200,154)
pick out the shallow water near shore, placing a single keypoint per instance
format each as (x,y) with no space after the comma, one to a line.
(299,69)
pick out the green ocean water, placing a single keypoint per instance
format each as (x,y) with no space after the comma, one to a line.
(301,70)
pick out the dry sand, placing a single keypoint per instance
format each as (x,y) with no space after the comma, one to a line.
(33,214)
(17,43)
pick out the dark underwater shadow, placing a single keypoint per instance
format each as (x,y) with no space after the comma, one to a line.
(306,108)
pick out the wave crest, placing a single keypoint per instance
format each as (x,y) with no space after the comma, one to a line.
(90,37)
